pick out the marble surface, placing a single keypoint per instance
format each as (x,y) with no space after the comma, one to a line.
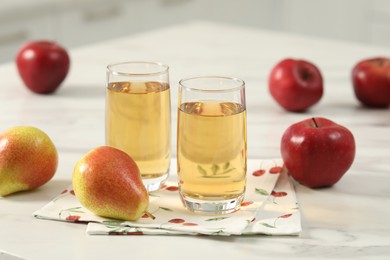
(349,220)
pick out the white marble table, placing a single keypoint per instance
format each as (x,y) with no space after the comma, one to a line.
(349,220)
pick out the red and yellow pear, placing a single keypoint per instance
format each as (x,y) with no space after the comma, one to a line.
(107,182)
(28,159)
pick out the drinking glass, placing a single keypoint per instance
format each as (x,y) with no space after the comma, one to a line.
(211,144)
(138,117)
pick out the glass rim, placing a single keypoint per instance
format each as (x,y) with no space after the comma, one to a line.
(164,68)
(234,88)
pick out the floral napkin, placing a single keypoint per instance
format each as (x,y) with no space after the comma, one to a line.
(270,207)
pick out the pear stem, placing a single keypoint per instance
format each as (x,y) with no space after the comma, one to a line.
(150,215)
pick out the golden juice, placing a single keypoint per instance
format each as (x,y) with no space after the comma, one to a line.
(211,150)
(138,123)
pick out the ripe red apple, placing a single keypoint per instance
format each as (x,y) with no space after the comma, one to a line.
(317,152)
(295,84)
(371,81)
(42,65)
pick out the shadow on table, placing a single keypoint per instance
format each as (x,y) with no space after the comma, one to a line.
(45,193)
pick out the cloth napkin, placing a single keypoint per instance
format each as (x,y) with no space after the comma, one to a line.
(270,207)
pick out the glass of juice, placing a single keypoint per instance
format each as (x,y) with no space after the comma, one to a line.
(138,117)
(211,144)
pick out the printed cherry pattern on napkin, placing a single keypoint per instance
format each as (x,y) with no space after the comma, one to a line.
(258,173)
(276,220)
(182,222)
(275,170)
(190,224)
(172,188)
(176,220)
(65,193)
(67,214)
(278,194)
(73,218)
(246,203)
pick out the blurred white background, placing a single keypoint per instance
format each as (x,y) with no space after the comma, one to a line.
(79,22)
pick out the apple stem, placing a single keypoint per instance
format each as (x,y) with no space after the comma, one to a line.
(150,215)
(306,75)
(315,122)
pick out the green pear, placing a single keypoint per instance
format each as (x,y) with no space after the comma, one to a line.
(28,159)
(108,182)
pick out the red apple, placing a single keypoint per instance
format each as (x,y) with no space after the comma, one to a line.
(42,65)
(317,152)
(295,84)
(371,81)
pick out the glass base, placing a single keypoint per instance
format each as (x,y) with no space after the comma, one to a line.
(153,184)
(212,207)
